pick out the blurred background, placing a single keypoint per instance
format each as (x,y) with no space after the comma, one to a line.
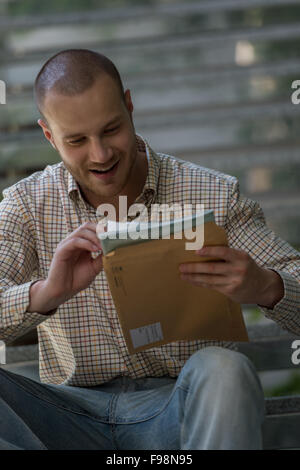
(210,81)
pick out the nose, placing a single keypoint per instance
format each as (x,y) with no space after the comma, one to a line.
(99,151)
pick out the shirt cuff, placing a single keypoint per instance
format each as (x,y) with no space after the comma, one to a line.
(15,301)
(289,304)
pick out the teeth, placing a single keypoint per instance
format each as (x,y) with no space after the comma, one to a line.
(104,171)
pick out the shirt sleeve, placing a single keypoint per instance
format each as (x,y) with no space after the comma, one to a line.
(247,230)
(18,263)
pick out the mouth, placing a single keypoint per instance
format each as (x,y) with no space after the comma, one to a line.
(103,174)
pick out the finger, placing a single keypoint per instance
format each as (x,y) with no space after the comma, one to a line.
(98,263)
(90,227)
(222,252)
(79,243)
(204,280)
(208,267)
(87,234)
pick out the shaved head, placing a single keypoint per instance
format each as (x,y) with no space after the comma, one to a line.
(71,72)
(87,118)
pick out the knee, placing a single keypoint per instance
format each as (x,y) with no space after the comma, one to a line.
(222,368)
(219,360)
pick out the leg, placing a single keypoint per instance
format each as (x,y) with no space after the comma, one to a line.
(40,416)
(224,401)
(216,403)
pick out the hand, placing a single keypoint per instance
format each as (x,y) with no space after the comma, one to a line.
(236,275)
(72,269)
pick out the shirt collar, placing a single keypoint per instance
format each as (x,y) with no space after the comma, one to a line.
(151,184)
(150,188)
(72,184)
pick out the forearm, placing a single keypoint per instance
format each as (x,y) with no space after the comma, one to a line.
(286,311)
(15,320)
(42,300)
(272,289)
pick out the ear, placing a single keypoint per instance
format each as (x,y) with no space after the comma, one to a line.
(128,101)
(47,132)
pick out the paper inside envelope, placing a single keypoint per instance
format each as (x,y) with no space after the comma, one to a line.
(113,235)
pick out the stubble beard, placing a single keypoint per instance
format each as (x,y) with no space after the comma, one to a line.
(89,187)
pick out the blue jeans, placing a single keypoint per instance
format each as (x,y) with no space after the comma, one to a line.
(216,402)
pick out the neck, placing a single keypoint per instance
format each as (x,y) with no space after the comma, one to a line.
(134,187)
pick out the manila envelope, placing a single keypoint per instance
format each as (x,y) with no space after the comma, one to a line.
(155,306)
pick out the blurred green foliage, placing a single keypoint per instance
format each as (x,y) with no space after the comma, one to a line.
(290,387)
(18,7)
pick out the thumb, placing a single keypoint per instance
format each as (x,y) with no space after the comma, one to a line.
(98,263)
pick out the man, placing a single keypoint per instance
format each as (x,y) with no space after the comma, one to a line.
(94,395)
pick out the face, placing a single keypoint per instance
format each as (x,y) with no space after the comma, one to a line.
(95,137)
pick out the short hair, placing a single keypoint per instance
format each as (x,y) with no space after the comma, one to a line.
(71,72)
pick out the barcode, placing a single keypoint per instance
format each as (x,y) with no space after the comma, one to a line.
(146,335)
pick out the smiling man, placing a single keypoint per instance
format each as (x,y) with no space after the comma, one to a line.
(93,394)
(90,125)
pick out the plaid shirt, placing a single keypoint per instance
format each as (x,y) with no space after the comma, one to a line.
(81,343)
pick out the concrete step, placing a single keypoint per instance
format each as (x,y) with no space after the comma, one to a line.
(28,369)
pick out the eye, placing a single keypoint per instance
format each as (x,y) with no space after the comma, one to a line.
(77,141)
(111,129)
